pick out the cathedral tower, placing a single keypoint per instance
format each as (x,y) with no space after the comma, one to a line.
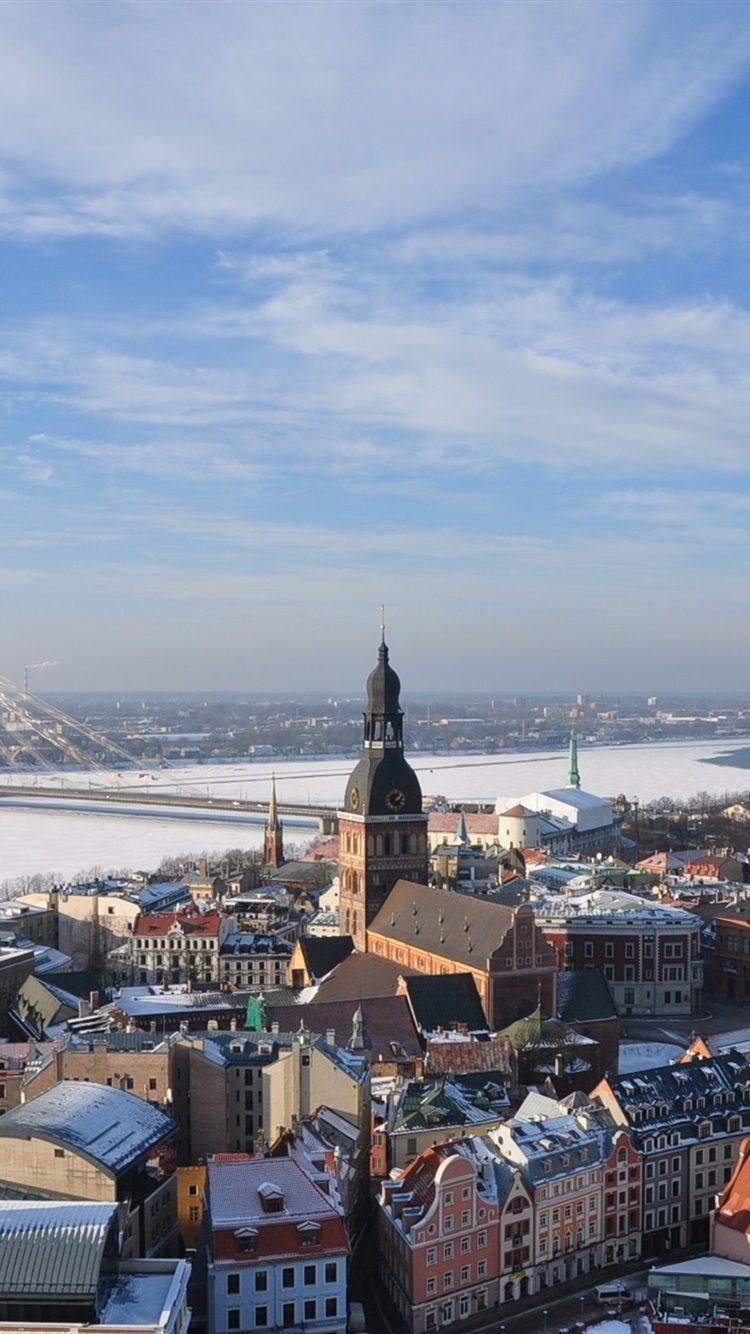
(382,830)
(273,834)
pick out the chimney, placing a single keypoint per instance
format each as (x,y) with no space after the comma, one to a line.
(94,1000)
(330,1037)
(84,1008)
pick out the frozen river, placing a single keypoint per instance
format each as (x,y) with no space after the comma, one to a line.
(65,842)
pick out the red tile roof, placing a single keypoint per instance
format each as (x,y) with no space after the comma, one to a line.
(193,921)
(325,850)
(477,822)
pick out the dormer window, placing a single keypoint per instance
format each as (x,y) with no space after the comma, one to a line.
(271,1198)
(308,1233)
(247,1239)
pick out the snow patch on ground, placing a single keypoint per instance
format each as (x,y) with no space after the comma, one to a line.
(609,1327)
(646,1056)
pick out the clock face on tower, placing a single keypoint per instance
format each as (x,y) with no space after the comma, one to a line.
(395,800)
(354,799)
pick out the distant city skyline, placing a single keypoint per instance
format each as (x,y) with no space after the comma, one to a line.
(311,307)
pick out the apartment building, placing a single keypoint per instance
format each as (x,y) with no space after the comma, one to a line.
(438,1237)
(688,1121)
(254,959)
(276,1249)
(650,955)
(178,946)
(488,1220)
(565,1158)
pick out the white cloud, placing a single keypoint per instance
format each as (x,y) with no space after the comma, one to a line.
(134,118)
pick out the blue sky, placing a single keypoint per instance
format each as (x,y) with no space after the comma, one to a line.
(310,307)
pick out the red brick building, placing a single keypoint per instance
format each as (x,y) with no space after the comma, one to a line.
(731,972)
(650,955)
(439,931)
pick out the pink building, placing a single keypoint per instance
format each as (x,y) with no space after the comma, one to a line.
(438,1237)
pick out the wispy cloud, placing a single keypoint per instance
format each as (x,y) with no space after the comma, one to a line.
(325,118)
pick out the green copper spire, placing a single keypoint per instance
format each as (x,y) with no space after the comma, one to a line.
(574,778)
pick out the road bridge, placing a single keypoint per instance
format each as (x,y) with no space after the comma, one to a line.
(120,800)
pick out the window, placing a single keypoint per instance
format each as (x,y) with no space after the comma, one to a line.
(465,1245)
(332,1307)
(287,1315)
(311,1309)
(233,1318)
(431,1287)
(432,1256)
(287,1278)
(261,1316)
(465,1217)
(332,1271)
(588,949)
(481,1240)
(59,1153)
(465,1274)
(152,1085)
(194,1213)
(261,1280)
(192,1190)
(233,1284)
(482,1269)
(310,1276)
(448,1280)
(448,1250)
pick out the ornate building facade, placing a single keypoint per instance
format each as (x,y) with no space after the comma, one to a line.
(382,829)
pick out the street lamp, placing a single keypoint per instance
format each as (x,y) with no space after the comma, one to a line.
(545,1313)
(583,1299)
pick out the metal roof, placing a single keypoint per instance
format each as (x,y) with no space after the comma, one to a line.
(50,1248)
(111,1128)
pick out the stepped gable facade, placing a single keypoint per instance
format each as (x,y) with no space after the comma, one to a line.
(439,931)
(382,828)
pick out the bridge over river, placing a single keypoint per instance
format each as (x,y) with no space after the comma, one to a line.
(122,801)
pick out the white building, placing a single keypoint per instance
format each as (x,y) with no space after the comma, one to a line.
(277,1248)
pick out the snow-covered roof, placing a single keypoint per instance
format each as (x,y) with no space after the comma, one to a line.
(237,1189)
(574,796)
(139,1298)
(112,1128)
